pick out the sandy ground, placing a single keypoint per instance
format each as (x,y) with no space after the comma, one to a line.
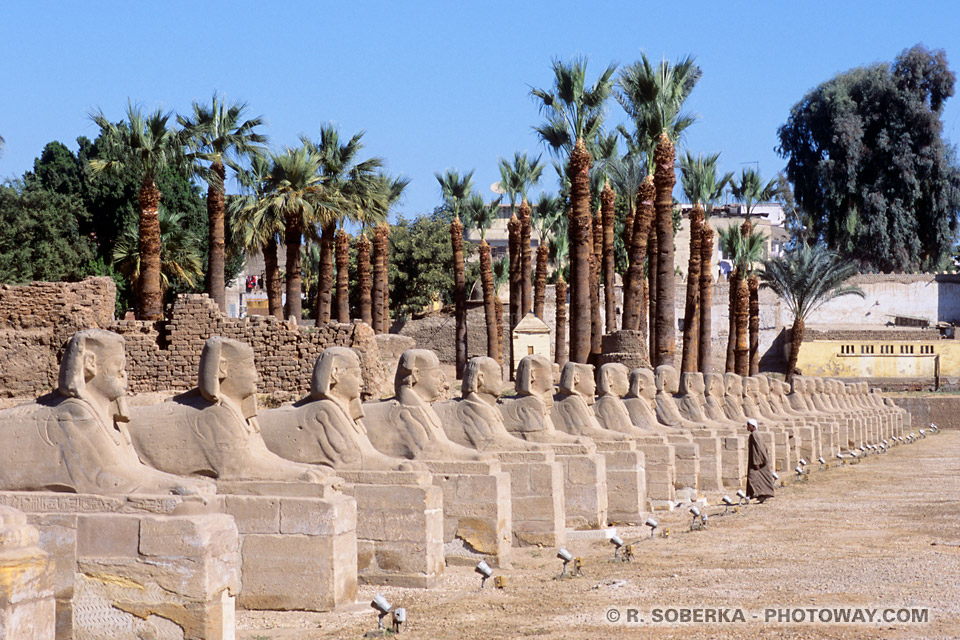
(882,534)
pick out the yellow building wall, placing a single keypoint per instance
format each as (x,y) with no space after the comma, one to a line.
(880,359)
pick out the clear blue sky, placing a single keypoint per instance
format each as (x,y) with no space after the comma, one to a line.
(436,84)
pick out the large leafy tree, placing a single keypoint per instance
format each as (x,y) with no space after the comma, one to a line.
(573,112)
(147,143)
(219,137)
(805,279)
(653,96)
(869,164)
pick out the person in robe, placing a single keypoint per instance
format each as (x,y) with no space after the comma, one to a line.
(76,439)
(327,427)
(760,483)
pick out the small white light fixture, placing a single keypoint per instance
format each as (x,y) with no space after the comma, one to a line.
(617,542)
(382,607)
(742,496)
(566,556)
(485,572)
(653,524)
(803,462)
(399,618)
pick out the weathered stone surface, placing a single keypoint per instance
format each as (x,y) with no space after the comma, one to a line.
(27,606)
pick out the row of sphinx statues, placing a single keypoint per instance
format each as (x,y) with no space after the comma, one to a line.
(84,438)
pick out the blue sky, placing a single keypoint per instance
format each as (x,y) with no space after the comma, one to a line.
(436,85)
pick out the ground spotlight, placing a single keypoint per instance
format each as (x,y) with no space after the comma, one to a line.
(840,458)
(382,607)
(799,471)
(399,617)
(821,461)
(697,522)
(653,524)
(566,556)
(803,462)
(727,503)
(617,542)
(485,572)
(923,434)
(776,476)
(742,496)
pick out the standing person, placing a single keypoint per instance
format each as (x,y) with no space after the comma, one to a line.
(759,476)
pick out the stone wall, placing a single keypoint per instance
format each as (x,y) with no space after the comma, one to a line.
(942,410)
(36,320)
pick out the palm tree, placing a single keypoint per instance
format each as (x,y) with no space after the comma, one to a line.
(257,227)
(351,184)
(702,185)
(751,190)
(146,143)
(220,136)
(389,191)
(296,192)
(479,215)
(806,278)
(180,260)
(574,114)
(517,179)
(549,212)
(653,97)
(745,247)
(454,189)
(626,173)
(559,244)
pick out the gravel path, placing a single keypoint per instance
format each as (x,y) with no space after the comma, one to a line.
(882,534)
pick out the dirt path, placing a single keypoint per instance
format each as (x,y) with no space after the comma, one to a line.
(881,534)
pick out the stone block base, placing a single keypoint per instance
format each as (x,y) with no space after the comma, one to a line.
(27,605)
(626,482)
(537,498)
(584,486)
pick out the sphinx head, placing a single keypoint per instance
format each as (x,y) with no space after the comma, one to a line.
(93,368)
(763,384)
(732,384)
(614,380)
(337,376)
(713,383)
(642,384)
(577,378)
(419,370)
(228,373)
(482,375)
(534,376)
(667,379)
(692,383)
(751,387)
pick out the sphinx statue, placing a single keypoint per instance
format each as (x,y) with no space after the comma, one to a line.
(408,426)
(611,412)
(640,400)
(212,431)
(733,398)
(474,420)
(571,407)
(713,392)
(528,415)
(76,439)
(326,427)
(668,385)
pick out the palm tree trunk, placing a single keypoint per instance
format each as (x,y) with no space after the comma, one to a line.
(706,299)
(796,339)
(363,279)
(578,170)
(741,355)
(691,308)
(150,294)
(634,298)
(459,294)
(489,313)
(596,316)
(609,288)
(293,237)
(382,273)
(526,292)
(376,291)
(732,325)
(325,274)
(216,210)
(514,277)
(540,282)
(753,285)
(343,276)
(664,179)
(653,257)
(498,311)
(560,320)
(272,276)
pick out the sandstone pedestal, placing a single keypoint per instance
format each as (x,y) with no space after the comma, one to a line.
(298,543)
(27,606)
(477,511)
(584,485)
(128,568)
(660,470)
(537,496)
(626,481)
(399,527)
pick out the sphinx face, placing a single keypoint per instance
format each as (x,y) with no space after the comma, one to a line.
(490,382)
(348,383)
(431,383)
(818,384)
(667,379)
(617,381)
(646,385)
(763,384)
(733,384)
(541,378)
(110,379)
(585,384)
(241,379)
(713,384)
(751,387)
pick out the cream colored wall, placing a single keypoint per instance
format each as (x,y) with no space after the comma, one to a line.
(888,359)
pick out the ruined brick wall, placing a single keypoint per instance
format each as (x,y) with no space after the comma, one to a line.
(168,356)
(37,319)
